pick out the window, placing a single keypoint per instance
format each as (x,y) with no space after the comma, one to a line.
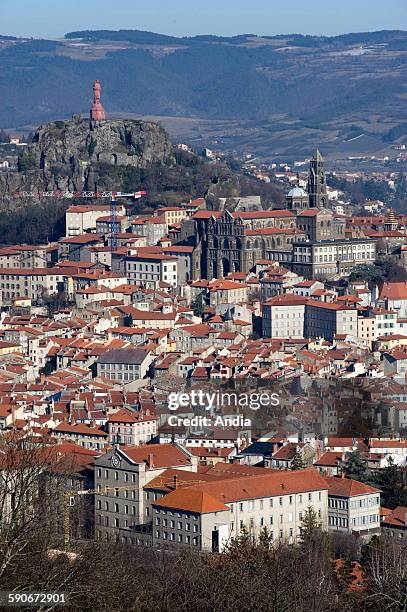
(281,501)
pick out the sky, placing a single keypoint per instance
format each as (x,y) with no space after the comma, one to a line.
(53,18)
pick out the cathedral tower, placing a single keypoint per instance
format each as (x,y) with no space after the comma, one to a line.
(316,182)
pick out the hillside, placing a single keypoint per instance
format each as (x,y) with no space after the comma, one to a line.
(281,92)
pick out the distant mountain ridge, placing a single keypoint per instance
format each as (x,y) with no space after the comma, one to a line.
(145,37)
(294,87)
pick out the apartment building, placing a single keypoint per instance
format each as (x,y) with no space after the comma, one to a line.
(122,511)
(151,228)
(184,256)
(149,269)
(353,507)
(374,323)
(87,436)
(78,247)
(283,317)
(326,320)
(124,365)
(28,256)
(172,214)
(82,218)
(227,292)
(326,259)
(130,427)
(207,516)
(34,283)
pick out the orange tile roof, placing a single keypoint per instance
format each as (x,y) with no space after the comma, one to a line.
(394,291)
(347,487)
(197,501)
(156,455)
(262,485)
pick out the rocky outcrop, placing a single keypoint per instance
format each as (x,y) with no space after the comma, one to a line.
(80,154)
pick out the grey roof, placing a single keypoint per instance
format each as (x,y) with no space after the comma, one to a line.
(297,192)
(126,355)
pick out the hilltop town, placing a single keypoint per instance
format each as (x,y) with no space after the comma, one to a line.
(196,374)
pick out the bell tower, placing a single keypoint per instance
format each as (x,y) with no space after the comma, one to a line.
(317,194)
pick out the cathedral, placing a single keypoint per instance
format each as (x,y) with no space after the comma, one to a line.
(233,241)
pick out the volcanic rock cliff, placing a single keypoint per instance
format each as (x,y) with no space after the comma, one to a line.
(80,154)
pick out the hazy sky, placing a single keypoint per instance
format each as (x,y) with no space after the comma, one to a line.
(52,18)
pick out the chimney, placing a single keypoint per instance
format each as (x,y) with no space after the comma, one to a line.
(175,482)
(151,460)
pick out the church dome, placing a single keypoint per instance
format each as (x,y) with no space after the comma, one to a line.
(296,192)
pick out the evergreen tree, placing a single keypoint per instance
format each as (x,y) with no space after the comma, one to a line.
(198,306)
(310,526)
(390,482)
(355,466)
(297,463)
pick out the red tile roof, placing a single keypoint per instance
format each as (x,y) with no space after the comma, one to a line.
(347,487)
(156,455)
(266,484)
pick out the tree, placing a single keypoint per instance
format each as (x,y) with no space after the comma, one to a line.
(26,161)
(297,462)
(198,306)
(310,526)
(385,573)
(390,481)
(355,466)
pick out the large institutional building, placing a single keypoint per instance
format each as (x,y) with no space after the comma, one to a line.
(306,236)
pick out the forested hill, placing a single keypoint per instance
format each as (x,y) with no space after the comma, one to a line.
(357,81)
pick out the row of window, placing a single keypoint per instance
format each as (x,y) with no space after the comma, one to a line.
(171,524)
(252,504)
(180,537)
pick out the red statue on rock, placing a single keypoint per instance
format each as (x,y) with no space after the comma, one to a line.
(97,112)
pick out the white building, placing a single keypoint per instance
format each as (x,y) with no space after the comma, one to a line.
(206,516)
(353,507)
(283,317)
(149,269)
